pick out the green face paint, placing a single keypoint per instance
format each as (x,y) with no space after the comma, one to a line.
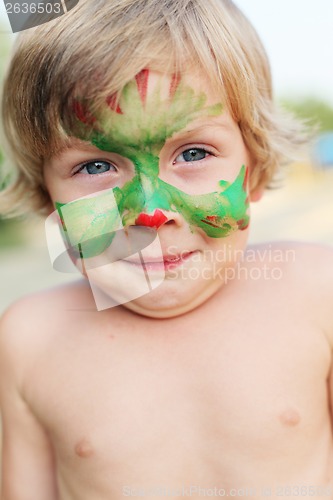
(137,129)
(218,214)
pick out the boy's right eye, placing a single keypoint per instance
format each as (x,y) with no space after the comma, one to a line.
(96,167)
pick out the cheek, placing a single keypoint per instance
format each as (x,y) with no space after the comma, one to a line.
(54,187)
(224,253)
(242,151)
(222,213)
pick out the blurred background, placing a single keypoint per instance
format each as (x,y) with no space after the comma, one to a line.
(298,36)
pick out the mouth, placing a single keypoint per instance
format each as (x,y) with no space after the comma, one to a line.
(166,262)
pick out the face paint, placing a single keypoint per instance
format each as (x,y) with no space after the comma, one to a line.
(133,129)
(137,123)
(218,214)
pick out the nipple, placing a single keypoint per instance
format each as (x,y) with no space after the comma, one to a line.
(290,417)
(84,449)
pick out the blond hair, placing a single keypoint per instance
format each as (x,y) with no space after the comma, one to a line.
(101,45)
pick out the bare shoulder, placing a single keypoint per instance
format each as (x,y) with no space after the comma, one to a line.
(28,324)
(305,275)
(27,454)
(305,261)
(34,309)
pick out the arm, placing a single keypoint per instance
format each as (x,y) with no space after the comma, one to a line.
(323,290)
(313,267)
(27,458)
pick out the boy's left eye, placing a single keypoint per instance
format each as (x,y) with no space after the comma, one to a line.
(193,154)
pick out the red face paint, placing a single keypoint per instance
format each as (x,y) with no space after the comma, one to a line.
(82,113)
(246,178)
(211,220)
(142,84)
(243,224)
(113,104)
(175,81)
(156,220)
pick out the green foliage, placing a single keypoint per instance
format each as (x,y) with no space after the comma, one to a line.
(3,177)
(11,233)
(314,111)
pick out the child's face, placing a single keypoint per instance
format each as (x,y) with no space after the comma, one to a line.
(176,162)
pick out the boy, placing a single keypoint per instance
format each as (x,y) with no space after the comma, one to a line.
(218,382)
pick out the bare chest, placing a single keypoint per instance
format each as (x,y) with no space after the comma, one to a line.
(215,397)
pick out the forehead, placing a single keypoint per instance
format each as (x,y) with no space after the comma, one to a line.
(167,84)
(152,103)
(151,108)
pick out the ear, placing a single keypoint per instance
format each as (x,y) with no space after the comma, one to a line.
(257,193)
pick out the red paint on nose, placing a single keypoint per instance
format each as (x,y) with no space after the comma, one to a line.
(156,220)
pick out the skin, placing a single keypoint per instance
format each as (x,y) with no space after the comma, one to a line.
(235,394)
(218,214)
(194,126)
(211,385)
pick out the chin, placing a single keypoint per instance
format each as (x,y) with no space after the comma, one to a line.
(163,304)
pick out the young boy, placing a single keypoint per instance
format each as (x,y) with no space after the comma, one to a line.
(143,129)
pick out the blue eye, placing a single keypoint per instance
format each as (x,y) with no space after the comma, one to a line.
(96,167)
(193,154)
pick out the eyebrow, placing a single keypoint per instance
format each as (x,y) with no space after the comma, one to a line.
(200,127)
(212,122)
(73,143)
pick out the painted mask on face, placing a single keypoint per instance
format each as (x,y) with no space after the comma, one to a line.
(142,200)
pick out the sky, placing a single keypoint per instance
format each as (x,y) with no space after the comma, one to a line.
(298,36)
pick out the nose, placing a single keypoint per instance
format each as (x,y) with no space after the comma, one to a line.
(155,220)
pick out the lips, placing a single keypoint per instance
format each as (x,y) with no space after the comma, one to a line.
(156,262)
(176,258)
